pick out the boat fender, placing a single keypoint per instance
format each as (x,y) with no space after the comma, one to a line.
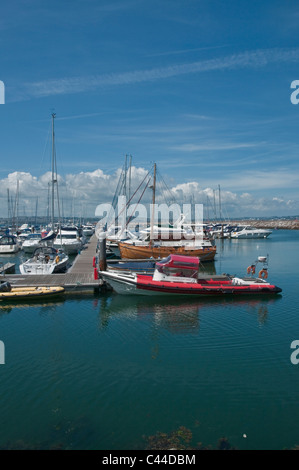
(95,273)
(5,287)
(94,261)
(251,269)
(263,274)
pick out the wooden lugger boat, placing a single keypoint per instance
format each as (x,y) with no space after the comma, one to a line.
(8,293)
(178,275)
(160,251)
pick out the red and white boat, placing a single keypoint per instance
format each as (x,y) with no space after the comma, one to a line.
(179,275)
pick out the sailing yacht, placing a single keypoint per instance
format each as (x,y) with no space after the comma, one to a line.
(182,240)
(46,259)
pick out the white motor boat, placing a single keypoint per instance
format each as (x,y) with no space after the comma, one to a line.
(69,241)
(247,231)
(88,230)
(45,260)
(9,244)
(32,241)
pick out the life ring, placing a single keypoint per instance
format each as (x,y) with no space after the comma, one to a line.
(263,274)
(251,269)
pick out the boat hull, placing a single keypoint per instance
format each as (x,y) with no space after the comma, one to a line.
(144,285)
(21,293)
(130,251)
(9,249)
(43,268)
(69,249)
(29,248)
(251,236)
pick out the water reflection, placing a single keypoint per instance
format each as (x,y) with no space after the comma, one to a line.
(45,306)
(178,315)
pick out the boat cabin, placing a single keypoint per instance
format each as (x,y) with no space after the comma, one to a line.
(177,268)
(8,240)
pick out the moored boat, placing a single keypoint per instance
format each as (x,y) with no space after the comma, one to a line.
(248,232)
(88,230)
(45,260)
(158,250)
(32,241)
(69,241)
(179,275)
(9,293)
(9,244)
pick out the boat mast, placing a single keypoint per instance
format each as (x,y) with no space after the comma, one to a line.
(16,210)
(53,170)
(153,205)
(8,208)
(125,178)
(130,173)
(220,213)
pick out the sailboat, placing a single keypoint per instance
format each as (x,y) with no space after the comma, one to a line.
(46,259)
(198,246)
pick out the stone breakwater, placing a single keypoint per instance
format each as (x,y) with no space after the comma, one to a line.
(283,224)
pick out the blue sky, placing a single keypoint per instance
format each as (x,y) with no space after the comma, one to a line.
(201,87)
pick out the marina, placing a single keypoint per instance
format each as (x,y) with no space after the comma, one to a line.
(218,366)
(149,228)
(80,276)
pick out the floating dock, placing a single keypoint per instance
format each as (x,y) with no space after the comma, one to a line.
(8,268)
(79,278)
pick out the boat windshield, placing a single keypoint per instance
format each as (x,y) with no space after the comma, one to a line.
(7,240)
(34,236)
(68,236)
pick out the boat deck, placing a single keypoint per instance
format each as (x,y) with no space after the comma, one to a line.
(80,276)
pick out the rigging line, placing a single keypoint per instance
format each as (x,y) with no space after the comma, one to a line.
(127,204)
(116,194)
(114,198)
(172,196)
(139,187)
(138,202)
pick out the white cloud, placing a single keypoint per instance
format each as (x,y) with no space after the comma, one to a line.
(81,193)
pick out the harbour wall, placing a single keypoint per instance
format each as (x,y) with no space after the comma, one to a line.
(283,224)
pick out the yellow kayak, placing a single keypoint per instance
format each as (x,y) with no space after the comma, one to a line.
(18,293)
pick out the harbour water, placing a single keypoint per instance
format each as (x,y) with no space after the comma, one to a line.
(107,372)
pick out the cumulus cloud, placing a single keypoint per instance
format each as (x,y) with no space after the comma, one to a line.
(230,204)
(81,193)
